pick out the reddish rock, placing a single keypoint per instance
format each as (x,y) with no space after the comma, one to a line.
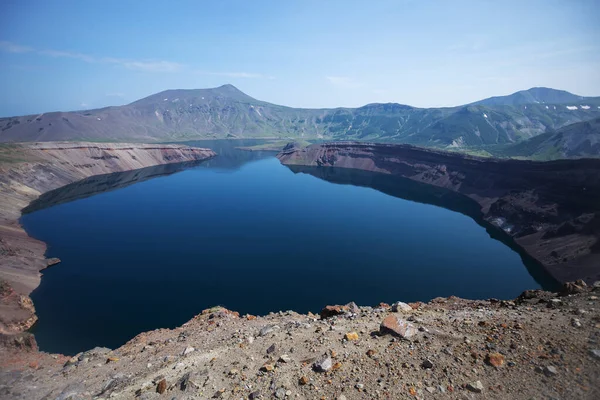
(162,386)
(495,359)
(371,352)
(397,327)
(332,311)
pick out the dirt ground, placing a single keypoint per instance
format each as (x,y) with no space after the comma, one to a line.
(539,346)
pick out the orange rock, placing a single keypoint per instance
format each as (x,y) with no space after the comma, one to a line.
(303,380)
(398,327)
(331,311)
(495,359)
(351,336)
(337,365)
(371,352)
(112,359)
(250,317)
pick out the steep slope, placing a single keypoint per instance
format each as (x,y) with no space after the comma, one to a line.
(226,112)
(577,140)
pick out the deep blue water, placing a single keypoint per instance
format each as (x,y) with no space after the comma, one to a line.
(248,233)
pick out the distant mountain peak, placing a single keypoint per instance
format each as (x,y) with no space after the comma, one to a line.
(534,95)
(224,91)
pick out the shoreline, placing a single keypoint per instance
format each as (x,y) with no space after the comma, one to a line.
(522,199)
(39,168)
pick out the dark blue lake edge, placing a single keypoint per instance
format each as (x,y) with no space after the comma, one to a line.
(151,248)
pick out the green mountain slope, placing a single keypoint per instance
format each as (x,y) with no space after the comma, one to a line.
(225,112)
(577,140)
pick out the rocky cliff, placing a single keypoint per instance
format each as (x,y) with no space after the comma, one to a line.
(550,209)
(29,170)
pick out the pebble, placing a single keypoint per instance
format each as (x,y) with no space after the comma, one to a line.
(188,350)
(267,368)
(351,336)
(162,386)
(324,364)
(427,364)
(400,306)
(280,393)
(271,348)
(595,353)
(359,386)
(267,329)
(476,387)
(303,380)
(285,358)
(575,323)
(254,395)
(550,371)
(495,359)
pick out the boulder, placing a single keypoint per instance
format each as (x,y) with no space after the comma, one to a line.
(574,287)
(397,327)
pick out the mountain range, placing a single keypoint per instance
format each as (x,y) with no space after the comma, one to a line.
(226,112)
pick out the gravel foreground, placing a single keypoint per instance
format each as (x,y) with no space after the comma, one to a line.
(540,346)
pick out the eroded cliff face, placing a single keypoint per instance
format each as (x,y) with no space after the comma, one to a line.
(29,170)
(550,209)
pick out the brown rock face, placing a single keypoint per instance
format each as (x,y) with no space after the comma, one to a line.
(24,341)
(551,210)
(397,327)
(40,168)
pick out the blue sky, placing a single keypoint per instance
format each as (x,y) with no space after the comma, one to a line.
(67,55)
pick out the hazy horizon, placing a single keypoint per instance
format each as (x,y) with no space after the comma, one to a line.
(72,55)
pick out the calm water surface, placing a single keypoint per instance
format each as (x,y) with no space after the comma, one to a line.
(248,233)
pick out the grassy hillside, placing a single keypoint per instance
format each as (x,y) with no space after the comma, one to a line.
(226,112)
(577,140)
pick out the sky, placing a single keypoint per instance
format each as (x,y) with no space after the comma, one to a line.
(70,55)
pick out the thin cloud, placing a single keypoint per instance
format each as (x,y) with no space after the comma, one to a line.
(14,48)
(138,65)
(67,54)
(159,66)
